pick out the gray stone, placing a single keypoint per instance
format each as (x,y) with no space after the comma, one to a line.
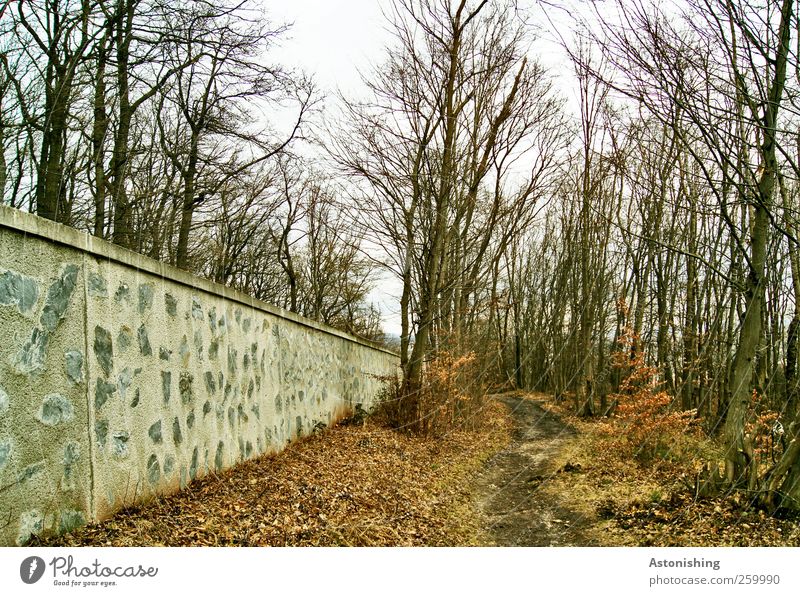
(248,447)
(119,444)
(5,451)
(31,523)
(231,416)
(101,432)
(197,309)
(222,325)
(278,404)
(211,386)
(242,415)
(164,353)
(246,361)
(213,349)
(190,420)
(18,290)
(171,305)
(72,453)
(185,388)
(69,520)
(256,410)
(206,408)
(97,286)
(124,339)
(298,426)
(169,465)
(123,293)
(218,461)
(124,380)
(153,469)
(73,364)
(238,315)
(103,349)
(212,319)
(155,433)
(184,351)
(193,465)
(177,437)
(231,360)
(4,401)
(31,356)
(30,471)
(166,383)
(246,324)
(251,387)
(145,297)
(102,392)
(144,342)
(136,398)
(55,409)
(198,344)
(58,297)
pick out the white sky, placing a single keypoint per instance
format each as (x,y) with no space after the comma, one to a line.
(334,40)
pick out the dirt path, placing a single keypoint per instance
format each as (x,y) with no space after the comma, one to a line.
(508,490)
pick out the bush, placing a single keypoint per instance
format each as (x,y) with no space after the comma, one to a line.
(652,429)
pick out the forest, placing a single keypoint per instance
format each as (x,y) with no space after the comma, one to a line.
(622,236)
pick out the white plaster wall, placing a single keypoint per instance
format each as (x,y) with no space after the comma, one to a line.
(179,378)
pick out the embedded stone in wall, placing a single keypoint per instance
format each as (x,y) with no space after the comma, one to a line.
(73,365)
(101,433)
(193,465)
(136,397)
(3,401)
(211,386)
(169,465)
(164,353)
(170,304)
(97,286)
(18,290)
(124,339)
(119,444)
(177,437)
(102,391)
(72,453)
(166,382)
(5,451)
(31,523)
(124,380)
(31,356)
(153,469)
(58,298)
(218,461)
(155,433)
(55,409)
(123,293)
(185,388)
(197,309)
(145,297)
(70,520)
(103,350)
(144,342)
(206,408)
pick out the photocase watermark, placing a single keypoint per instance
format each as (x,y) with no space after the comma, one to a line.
(31,569)
(67,572)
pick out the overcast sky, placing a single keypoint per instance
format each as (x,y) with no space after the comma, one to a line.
(335,39)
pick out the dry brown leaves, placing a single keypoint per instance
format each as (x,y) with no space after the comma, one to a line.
(634,505)
(350,486)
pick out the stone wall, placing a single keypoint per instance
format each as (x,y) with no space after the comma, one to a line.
(122,378)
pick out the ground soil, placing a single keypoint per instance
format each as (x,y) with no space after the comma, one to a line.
(508,493)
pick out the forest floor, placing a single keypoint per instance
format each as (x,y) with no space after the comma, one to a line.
(533,475)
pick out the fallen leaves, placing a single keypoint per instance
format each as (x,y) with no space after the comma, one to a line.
(350,486)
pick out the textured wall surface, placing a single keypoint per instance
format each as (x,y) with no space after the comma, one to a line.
(122,378)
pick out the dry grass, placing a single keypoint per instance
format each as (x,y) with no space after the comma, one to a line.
(350,486)
(635,505)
